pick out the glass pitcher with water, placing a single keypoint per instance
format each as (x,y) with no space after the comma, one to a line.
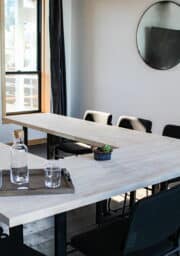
(19,172)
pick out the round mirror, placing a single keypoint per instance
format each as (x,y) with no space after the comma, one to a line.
(158,35)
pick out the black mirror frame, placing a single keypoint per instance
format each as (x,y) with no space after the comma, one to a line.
(151,66)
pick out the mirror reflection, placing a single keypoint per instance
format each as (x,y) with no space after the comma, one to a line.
(158,35)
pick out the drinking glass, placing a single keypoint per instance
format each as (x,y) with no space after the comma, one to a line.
(52,174)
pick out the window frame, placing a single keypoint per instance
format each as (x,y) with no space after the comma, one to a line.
(38,72)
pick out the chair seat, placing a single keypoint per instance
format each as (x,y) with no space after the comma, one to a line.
(109,241)
(77,148)
(74,148)
(101,241)
(176,180)
(9,248)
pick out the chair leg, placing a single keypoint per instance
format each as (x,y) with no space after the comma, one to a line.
(109,205)
(123,208)
(124,204)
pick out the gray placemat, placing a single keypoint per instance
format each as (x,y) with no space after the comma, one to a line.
(36,185)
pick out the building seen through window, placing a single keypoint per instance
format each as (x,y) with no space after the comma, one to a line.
(22,55)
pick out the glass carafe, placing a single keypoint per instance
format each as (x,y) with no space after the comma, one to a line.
(19,172)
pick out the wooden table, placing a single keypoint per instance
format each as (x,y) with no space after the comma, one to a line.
(132,167)
(92,133)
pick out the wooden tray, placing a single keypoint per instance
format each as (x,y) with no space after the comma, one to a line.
(36,185)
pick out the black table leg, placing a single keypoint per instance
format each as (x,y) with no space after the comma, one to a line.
(101,211)
(49,147)
(164,186)
(60,226)
(16,234)
(132,199)
(25,129)
(155,189)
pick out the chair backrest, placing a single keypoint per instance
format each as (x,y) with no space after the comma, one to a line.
(153,220)
(135,123)
(98,117)
(172,131)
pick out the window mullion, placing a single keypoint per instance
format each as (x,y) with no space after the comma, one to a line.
(22,72)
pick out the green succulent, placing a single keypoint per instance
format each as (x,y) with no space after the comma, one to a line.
(105,149)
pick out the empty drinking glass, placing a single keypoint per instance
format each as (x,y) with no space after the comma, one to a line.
(52,174)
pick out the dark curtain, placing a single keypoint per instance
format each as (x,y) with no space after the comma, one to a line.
(57,53)
(58,65)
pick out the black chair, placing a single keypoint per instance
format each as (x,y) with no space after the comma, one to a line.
(151,230)
(13,246)
(9,248)
(172,131)
(77,148)
(133,123)
(138,124)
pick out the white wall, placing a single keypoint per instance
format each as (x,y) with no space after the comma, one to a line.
(110,75)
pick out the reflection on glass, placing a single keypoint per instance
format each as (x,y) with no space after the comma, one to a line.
(21,93)
(20,35)
(158,35)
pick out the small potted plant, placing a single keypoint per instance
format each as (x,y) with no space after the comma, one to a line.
(103,153)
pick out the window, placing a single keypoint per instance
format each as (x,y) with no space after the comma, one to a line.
(22,56)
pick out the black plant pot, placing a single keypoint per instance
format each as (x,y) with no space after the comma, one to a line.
(101,156)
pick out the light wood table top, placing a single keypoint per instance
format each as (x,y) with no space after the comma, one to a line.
(92,133)
(131,168)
